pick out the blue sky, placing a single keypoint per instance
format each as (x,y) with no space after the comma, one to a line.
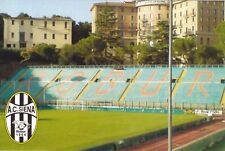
(79,10)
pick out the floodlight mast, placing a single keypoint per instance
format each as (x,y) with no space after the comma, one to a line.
(170,109)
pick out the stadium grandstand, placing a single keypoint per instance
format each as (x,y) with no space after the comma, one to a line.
(146,86)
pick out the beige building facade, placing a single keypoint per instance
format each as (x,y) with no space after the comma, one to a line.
(198,18)
(126,14)
(150,12)
(28,32)
(190,17)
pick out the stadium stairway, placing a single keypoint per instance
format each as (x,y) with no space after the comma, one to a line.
(178,82)
(88,84)
(223,98)
(42,90)
(121,99)
(19,76)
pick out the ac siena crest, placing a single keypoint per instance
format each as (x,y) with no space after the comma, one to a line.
(21,117)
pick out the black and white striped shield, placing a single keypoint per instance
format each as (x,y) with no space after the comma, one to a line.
(21,117)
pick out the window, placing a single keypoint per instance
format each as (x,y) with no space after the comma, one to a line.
(201,40)
(181,5)
(132,25)
(53,36)
(121,17)
(180,13)
(65,24)
(144,17)
(193,28)
(13,21)
(159,7)
(175,15)
(215,12)
(208,41)
(151,7)
(45,36)
(12,35)
(193,19)
(31,35)
(65,36)
(22,22)
(53,23)
(45,24)
(159,16)
(151,16)
(167,15)
(8,45)
(14,45)
(31,23)
(132,18)
(122,9)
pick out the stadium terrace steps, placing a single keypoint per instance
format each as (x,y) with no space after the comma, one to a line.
(178,82)
(43,89)
(152,85)
(110,85)
(223,98)
(129,86)
(88,84)
(70,84)
(18,76)
(126,85)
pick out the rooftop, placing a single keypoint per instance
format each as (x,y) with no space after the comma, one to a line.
(41,18)
(118,4)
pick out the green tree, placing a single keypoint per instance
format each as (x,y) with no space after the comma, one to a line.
(160,40)
(23,15)
(184,49)
(80,31)
(208,55)
(220,41)
(106,25)
(69,55)
(92,49)
(41,53)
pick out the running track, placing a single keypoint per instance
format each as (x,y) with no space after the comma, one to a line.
(179,139)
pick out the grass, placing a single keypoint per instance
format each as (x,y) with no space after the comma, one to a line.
(75,130)
(217,147)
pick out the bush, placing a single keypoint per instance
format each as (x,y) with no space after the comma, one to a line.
(10,55)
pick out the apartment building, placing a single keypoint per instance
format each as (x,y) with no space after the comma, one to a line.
(150,12)
(199,18)
(28,32)
(126,14)
(190,17)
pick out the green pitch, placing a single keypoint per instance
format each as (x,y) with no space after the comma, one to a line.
(75,130)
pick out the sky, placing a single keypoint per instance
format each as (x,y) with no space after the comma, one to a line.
(79,10)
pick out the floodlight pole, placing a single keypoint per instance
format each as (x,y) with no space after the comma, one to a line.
(170,110)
